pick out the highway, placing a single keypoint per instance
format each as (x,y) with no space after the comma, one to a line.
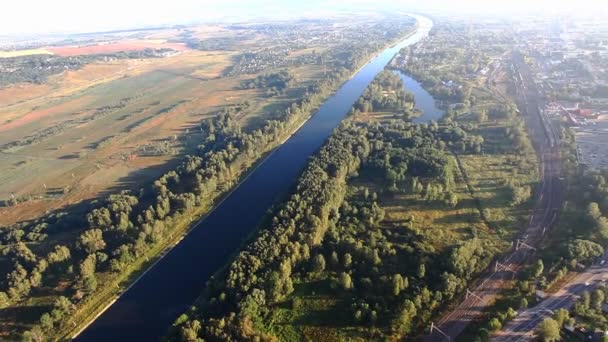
(522,327)
(548,202)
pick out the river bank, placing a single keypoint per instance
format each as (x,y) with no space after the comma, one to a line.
(150,305)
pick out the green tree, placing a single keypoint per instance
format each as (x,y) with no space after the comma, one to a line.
(318,264)
(348,261)
(586,300)
(421,271)
(4,300)
(495,324)
(334,261)
(561,316)
(452,200)
(91,241)
(523,303)
(584,250)
(548,330)
(397,284)
(593,211)
(597,299)
(346,281)
(537,268)
(402,323)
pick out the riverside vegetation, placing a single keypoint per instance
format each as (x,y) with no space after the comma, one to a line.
(63,267)
(380,234)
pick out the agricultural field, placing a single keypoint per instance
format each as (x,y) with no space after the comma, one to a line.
(78,134)
(187,124)
(19,53)
(113,47)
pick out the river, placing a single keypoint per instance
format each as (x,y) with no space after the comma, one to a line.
(425,102)
(146,310)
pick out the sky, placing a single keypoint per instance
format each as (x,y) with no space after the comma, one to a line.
(54,16)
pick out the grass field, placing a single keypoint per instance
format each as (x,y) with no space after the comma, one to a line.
(19,53)
(164,98)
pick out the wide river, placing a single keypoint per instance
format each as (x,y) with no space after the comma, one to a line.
(146,310)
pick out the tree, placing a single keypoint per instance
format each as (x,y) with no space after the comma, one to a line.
(421,271)
(495,324)
(452,200)
(34,335)
(523,303)
(593,211)
(481,115)
(91,241)
(46,321)
(548,330)
(586,300)
(59,254)
(348,260)
(189,331)
(561,316)
(4,300)
(87,279)
(597,298)
(402,323)
(398,284)
(537,268)
(335,262)
(318,264)
(345,281)
(584,250)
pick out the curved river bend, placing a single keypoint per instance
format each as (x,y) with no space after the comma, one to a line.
(146,310)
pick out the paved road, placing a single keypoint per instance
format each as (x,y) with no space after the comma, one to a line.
(547,206)
(522,327)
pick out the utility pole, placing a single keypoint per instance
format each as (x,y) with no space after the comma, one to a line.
(523,244)
(433,327)
(498,266)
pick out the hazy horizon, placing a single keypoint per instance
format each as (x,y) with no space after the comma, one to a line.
(70,16)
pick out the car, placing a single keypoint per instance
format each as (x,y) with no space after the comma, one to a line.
(587,283)
(602,262)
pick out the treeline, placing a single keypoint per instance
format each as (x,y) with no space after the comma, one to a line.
(582,231)
(93,247)
(37,68)
(386,93)
(317,235)
(274,84)
(214,43)
(443,87)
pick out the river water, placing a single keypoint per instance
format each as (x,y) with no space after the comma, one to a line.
(146,310)
(425,103)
